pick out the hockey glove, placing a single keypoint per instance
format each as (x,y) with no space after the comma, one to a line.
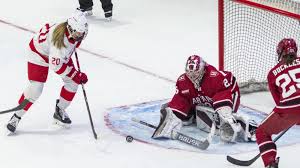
(229,126)
(80,78)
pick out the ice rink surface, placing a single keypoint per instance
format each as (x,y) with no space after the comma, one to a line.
(135,58)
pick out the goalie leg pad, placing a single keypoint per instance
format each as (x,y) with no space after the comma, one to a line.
(168,126)
(205,116)
(204,121)
(207,120)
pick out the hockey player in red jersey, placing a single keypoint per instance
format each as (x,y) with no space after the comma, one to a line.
(284,85)
(52,47)
(202,85)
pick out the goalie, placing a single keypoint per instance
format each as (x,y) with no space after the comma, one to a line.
(211,96)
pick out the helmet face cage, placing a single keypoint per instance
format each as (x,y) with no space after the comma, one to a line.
(195,69)
(286,47)
(76,35)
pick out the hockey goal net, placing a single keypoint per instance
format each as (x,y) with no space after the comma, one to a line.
(249,31)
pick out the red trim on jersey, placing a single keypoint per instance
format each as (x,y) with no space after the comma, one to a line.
(78,44)
(291,102)
(178,111)
(62,69)
(70,63)
(67,95)
(32,47)
(71,72)
(222,103)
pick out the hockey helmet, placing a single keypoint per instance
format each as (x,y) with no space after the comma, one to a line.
(194,69)
(285,47)
(77,26)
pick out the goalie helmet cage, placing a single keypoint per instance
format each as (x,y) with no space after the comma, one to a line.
(249,31)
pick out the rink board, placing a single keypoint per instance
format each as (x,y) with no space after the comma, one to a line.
(119,120)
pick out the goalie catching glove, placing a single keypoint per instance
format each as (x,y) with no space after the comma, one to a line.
(229,127)
(232,126)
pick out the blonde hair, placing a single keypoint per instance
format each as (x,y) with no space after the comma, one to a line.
(58,35)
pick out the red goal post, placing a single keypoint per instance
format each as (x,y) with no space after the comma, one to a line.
(249,31)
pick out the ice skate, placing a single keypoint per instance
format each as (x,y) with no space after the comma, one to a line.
(61,117)
(87,12)
(108,15)
(12,124)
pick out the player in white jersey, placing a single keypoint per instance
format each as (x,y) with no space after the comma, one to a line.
(52,47)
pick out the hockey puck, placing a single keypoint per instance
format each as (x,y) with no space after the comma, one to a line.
(129,138)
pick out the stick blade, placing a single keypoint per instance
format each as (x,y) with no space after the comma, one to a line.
(240,162)
(205,145)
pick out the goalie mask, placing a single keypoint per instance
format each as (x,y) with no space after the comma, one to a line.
(194,69)
(77,26)
(286,47)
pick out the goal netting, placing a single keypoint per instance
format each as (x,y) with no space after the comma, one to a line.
(249,31)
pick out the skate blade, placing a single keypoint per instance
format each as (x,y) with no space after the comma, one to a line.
(9,133)
(109,19)
(61,124)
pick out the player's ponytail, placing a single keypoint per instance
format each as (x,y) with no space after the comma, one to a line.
(58,35)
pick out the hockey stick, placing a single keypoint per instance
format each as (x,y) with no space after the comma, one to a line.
(19,107)
(86,101)
(203,145)
(212,132)
(249,162)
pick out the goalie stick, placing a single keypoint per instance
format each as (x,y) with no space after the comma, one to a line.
(19,107)
(203,145)
(249,162)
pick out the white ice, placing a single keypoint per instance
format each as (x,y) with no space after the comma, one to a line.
(153,36)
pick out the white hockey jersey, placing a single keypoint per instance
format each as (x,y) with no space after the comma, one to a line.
(44,53)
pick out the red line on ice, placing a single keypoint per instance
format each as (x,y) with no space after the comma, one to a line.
(98,55)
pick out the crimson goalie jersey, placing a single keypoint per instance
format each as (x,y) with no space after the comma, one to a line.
(217,89)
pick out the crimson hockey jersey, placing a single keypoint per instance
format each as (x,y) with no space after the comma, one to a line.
(217,89)
(284,84)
